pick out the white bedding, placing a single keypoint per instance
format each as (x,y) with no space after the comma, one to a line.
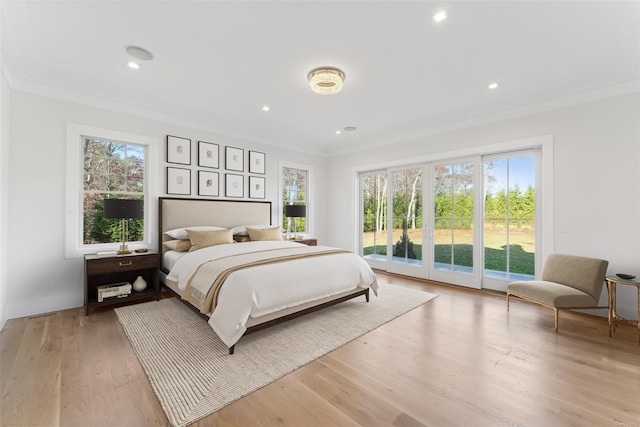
(263,289)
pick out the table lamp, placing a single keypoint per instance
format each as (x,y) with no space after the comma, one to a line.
(295,211)
(123,209)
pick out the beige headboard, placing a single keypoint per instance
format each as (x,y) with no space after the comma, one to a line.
(181,212)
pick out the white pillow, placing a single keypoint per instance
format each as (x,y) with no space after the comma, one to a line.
(181,233)
(241,230)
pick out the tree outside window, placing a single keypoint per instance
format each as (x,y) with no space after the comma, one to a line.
(295,184)
(111,170)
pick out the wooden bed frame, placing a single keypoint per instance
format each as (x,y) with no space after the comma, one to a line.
(183,212)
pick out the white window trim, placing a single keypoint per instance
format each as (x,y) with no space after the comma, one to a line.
(74,248)
(309,218)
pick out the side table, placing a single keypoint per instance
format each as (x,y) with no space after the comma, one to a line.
(611,282)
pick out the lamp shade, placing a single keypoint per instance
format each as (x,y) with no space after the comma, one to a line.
(295,211)
(123,208)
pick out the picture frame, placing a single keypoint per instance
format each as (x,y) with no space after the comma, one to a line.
(257,162)
(208,155)
(234,185)
(178,181)
(234,159)
(178,150)
(256,187)
(208,183)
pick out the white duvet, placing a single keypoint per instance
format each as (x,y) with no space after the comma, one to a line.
(264,289)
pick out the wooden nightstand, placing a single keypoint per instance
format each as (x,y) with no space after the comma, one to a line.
(105,270)
(308,242)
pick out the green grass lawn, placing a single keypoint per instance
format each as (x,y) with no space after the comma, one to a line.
(521,248)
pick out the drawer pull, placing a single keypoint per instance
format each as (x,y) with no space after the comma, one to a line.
(124,264)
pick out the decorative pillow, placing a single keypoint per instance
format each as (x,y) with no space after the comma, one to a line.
(181,233)
(241,230)
(241,238)
(264,233)
(178,245)
(202,239)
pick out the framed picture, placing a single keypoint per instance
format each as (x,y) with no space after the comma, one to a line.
(256,187)
(234,159)
(234,185)
(178,150)
(208,183)
(257,162)
(178,181)
(208,155)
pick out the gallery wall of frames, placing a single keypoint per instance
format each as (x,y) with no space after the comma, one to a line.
(221,171)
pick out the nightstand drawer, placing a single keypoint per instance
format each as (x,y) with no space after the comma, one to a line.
(126,263)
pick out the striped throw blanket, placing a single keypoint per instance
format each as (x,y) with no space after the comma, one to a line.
(204,285)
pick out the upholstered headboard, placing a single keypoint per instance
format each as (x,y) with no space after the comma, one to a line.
(181,212)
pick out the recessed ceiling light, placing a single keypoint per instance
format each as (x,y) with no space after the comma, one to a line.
(139,53)
(350,128)
(133,65)
(266,108)
(338,132)
(440,16)
(493,85)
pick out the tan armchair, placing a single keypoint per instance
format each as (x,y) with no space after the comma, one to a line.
(568,282)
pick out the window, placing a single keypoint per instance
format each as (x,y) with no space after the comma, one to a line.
(295,191)
(103,163)
(509,216)
(112,170)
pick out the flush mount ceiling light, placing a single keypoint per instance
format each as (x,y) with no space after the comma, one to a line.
(440,16)
(326,80)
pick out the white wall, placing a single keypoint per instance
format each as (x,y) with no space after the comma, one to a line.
(596,179)
(39,277)
(5,102)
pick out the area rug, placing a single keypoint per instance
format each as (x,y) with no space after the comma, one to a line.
(192,373)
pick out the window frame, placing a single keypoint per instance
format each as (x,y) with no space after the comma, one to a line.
(74,236)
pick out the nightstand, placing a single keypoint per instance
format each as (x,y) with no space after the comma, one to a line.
(106,270)
(308,242)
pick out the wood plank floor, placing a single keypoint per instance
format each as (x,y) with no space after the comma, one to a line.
(459,360)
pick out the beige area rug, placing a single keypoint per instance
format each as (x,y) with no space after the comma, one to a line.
(192,373)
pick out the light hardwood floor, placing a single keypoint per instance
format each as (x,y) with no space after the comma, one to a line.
(459,360)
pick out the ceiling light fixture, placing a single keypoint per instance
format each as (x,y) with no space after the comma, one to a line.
(133,65)
(338,132)
(326,80)
(139,53)
(440,16)
(493,86)
(266,108)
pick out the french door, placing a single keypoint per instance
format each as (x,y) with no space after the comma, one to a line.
(469,221)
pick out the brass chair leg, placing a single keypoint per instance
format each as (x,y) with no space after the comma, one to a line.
(555,323)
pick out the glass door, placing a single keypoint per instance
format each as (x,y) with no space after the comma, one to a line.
(454,232)
(373,235)
(406,212)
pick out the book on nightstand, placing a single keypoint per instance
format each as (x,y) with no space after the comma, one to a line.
(121,289)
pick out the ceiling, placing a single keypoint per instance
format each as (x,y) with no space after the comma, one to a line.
(216,64)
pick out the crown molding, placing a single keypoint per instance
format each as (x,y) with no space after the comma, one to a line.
(146,112)
(512,112)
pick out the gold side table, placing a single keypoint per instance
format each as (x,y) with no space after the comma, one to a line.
(612,281)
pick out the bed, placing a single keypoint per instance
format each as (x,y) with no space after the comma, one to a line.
(242,286)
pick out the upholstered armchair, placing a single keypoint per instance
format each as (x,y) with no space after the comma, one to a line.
(567,282)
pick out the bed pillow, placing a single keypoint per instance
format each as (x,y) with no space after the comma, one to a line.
(181,233)
(264,233)
(179,245)
(241,230)
(203,239)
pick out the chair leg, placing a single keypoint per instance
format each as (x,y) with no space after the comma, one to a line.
(508,300)
(555,323)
